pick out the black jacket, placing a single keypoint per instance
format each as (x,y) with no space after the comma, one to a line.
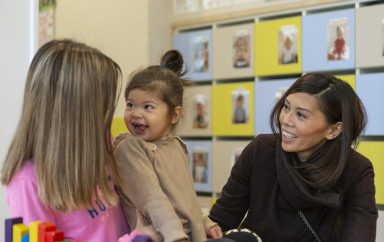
(262,184)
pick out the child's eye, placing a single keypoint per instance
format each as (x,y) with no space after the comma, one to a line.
(129,105)
(148,107)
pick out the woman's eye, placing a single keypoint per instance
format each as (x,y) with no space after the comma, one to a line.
(285,107)
(300,115)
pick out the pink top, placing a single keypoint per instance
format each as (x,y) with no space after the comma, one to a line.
(103,223)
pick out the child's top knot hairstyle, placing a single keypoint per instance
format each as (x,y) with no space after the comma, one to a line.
(165,79)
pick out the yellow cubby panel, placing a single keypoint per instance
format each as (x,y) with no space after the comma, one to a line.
(350,79)
(118,126)
(374,151)
(224,98)
(269,38)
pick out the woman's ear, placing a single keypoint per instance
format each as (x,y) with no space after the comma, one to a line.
(176,114)
(335,130)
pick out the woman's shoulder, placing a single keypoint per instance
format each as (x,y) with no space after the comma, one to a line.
(357,162)
(264,141)
(357,167)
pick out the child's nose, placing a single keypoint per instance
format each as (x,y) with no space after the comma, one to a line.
(136,113)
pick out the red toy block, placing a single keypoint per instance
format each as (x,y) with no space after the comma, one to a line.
(57,235)
(43,228)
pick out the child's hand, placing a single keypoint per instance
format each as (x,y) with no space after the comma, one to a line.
(148,230)
(185,225)
(215,232)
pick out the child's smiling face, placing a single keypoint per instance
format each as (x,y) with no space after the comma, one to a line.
(146,116)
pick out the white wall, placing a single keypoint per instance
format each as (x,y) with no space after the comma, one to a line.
(129,31)
(18,41)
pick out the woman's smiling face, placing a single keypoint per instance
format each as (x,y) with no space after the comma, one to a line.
(303,125)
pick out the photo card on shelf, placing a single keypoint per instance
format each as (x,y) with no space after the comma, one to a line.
(196,48)
(240,106)
(329,40)
(278,46)
(232,109)
(287,45)
(232,50)
(201,164)
(370,36)
(197,111)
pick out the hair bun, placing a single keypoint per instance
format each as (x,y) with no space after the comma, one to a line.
(173,60)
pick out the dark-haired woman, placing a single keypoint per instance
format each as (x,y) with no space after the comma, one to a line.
(305,182)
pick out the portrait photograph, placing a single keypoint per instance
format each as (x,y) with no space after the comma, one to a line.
(241,50)
(240,106)
(200,165)
(200,53)
(287,45)
(200,115)
(338,39)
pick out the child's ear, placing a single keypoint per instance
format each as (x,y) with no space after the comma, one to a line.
(176,114)
(335,131)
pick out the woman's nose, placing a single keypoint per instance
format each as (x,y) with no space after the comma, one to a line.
(286,118)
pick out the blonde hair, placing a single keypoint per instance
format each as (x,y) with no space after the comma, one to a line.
(70,96)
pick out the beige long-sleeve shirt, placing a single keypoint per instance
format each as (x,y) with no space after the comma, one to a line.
(159,184)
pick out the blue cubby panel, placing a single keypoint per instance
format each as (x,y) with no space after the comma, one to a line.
(201,156)
(266,93)
(196,48)
(370,88)
(319,32)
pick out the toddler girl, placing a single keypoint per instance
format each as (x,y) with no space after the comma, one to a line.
(158,181)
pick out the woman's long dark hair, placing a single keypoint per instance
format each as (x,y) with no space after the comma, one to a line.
(339,103)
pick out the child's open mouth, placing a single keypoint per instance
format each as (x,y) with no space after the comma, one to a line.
(139,127)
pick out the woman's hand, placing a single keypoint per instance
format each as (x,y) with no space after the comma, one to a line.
(215,232)
(148,230)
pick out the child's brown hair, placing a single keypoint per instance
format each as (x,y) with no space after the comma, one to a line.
(165,80)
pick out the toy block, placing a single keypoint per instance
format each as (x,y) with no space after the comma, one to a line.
(9,227)
(57,235)
(43,228)
(18,231)
(141,238)
(33,231)
(25,237)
